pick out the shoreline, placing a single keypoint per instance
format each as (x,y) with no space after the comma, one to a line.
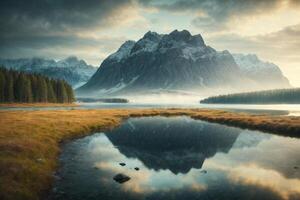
(30,141)
(26,105)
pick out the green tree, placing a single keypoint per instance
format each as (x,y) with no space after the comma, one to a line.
(9,88)
(2,86)
(51,97)
(70,93)
(61,92)
(34,88)
(25,93)
(42,89)
(21,87)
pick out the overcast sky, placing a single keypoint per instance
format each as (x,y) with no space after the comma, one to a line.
(92,29)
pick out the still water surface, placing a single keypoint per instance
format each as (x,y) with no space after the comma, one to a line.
(179,158)
(270,109)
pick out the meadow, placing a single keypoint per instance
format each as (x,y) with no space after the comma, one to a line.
(30,141)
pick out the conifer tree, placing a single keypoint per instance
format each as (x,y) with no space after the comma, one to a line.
(61,92)
(25,89)
(9,94)
(2,86)
(34,88)
(51,97)
(42,89)
(21,87)
(70,94)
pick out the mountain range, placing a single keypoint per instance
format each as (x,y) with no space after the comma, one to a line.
(76,72)
(179,61)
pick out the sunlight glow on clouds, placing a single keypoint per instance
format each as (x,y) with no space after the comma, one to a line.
(93,29)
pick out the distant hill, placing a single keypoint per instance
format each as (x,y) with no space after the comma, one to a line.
(178,61)
(76,72)
(280,96)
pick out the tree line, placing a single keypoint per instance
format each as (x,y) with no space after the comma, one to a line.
(18,86)
(278,96)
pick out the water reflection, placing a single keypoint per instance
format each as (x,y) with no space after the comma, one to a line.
(178,145)
(172,154)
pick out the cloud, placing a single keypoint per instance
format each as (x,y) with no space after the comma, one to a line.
(58,28)
(280,47)
(215,15)
(44,16)
(282,44)
(92,49)
(93,29)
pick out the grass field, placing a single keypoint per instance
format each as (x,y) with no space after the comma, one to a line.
(30,140)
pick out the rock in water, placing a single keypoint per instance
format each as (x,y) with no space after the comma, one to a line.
(122,164)
(121,178)
(137,169)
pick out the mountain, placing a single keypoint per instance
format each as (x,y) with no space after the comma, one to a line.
(177,61)
(76,72)
(172,144)
(264,72)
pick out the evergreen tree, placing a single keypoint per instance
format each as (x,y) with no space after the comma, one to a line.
(2,86)
(51,97)
(70,93)
(21,87)
(279,96)
(34,88)
(42,89)
(25,89)
(9,94)
(61,92)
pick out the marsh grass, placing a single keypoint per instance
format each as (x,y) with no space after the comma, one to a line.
(30,140)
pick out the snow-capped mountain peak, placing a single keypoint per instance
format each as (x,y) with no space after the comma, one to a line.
(260,70)
(175,61)
(123,51)
(75,71)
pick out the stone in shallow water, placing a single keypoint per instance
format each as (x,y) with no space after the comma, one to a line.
(122,164)
(137,169)
(121,178)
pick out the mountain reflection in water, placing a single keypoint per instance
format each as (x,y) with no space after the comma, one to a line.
(177,145)
(172,154)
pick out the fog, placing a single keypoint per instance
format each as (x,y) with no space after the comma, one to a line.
(165,99)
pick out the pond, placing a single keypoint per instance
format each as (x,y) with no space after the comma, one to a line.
(179,158)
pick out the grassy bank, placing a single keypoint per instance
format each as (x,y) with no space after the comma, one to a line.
(30,140)
(24,105)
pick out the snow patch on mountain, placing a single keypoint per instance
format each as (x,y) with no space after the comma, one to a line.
(262,71)
(123,51)
(174,61)
(76,72)
(251,63)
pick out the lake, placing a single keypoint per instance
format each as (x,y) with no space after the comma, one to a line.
(271,109)
(179,158)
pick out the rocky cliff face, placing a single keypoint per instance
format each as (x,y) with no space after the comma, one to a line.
(177,61)
(267,74)
(76,72)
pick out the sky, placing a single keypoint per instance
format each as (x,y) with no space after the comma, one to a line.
(93,29)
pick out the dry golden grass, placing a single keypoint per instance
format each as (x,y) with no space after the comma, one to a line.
(30,140)
(24,105)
